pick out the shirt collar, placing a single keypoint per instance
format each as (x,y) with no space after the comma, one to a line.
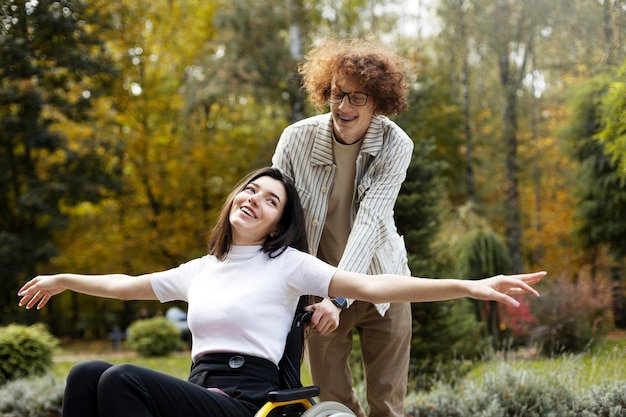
(322,152)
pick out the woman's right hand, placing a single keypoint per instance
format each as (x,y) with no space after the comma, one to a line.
(39,290)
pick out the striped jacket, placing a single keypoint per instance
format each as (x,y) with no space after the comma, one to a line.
(304,152)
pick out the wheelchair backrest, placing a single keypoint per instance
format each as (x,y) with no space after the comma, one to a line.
(289,365)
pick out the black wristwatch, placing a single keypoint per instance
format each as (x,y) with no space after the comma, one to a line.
(342,303)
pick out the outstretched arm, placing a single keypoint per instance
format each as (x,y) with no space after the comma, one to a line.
(124,287)
(398,288)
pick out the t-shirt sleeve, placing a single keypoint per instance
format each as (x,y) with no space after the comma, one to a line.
(310,275)
(173,284)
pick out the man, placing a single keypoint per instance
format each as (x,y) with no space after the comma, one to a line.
(348,166)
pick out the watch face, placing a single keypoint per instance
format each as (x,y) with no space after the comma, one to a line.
(341,303)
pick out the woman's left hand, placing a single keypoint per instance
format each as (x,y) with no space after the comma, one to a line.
(501,287)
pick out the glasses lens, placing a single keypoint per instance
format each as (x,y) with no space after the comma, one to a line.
(358,99)
(335,98)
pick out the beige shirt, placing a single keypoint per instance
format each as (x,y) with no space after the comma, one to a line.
(338,226)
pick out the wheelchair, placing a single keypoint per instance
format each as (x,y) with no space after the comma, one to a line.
(294,400)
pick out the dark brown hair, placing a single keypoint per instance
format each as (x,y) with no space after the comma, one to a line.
(364,61)
(291,231)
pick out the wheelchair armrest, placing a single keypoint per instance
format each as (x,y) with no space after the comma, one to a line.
(293,393)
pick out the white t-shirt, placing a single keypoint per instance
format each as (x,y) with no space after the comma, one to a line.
(245,303)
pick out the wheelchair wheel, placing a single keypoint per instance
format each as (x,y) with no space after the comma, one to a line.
(328,409)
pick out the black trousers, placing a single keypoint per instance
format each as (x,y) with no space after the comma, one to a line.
(100,389)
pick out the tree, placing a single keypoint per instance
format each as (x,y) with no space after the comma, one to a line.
(512,44)
(441,331)
(53,68)
(482,253)
(159,217)
(601,194)
(612,109)
(418,207)
(456,37)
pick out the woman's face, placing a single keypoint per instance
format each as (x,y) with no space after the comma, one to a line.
(257,210)
(350,122)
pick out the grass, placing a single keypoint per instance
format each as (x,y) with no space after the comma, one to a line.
(605,362)
(177,364)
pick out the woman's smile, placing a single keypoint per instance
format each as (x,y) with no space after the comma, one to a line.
(256,211)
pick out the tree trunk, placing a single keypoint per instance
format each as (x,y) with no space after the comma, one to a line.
(466,102)
(513,229)
(295,50)
(609,49)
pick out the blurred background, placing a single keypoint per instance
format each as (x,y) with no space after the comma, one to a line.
(124,124)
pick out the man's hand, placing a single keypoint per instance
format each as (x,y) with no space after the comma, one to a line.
(325,317)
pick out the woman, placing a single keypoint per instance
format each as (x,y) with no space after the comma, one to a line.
(241,297)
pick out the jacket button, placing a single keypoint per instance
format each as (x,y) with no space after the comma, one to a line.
(315,223)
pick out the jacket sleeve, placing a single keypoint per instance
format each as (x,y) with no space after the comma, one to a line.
(377,193)
(281,158)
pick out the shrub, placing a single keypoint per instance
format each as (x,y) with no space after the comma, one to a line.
(153,337)
(25,351)
(512,393)
(569,315)
(509,392)
(442,401)
(607,400)
(32,397)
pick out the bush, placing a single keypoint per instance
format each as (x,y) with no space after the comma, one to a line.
(442,401)
(32,397)
(508,392)
(607,400)
(25,351)
(513,393)
(153,337)
(570,315)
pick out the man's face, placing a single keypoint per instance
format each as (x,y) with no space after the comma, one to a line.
(350,122)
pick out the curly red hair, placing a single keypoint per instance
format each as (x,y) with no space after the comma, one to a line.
(365,61)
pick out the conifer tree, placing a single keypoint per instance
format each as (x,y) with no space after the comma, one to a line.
(601,191)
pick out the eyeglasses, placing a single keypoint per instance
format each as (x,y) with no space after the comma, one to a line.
(356,99)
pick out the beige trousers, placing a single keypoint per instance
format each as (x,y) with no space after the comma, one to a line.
(385,344)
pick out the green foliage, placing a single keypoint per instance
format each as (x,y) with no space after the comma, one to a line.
(607,400)
(153,337)
(25,351)
(446,336)
(442,332)
(435,118)
(51,72)
(601,192)
(509,392)
(613,120)
(418,206)
(442,401)
(570,315)
(482,253)
(32,397)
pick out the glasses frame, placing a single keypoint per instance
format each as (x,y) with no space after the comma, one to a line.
(329,94)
